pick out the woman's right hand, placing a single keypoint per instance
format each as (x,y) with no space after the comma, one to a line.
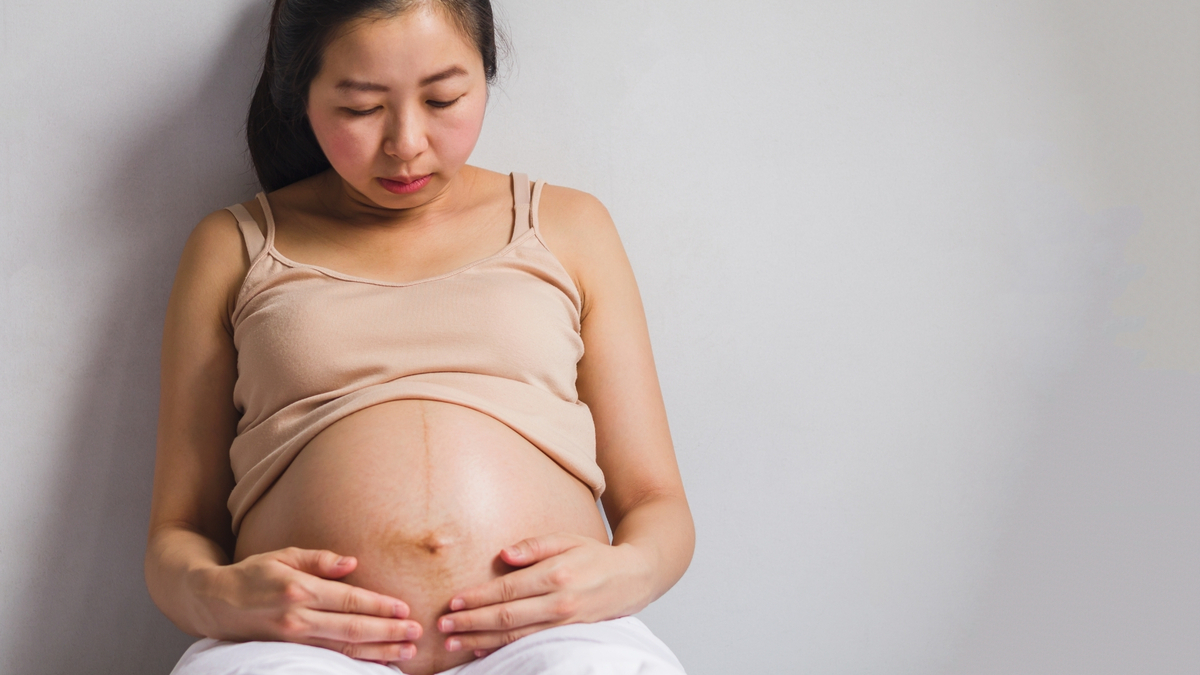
(291,595)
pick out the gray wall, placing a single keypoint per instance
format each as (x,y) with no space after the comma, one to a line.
(923,281)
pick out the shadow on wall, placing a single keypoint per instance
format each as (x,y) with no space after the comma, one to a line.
(86,604)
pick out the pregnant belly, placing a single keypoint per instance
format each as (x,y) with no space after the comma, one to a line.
(424,494)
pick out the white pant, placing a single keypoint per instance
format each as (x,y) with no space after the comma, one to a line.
(617,647)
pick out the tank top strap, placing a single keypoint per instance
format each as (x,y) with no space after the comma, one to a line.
(533,211)
(266,207)
(251,235)
(521,221)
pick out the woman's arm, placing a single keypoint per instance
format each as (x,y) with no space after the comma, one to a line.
(189,523)
(567,578)
(282,595)
(644,499)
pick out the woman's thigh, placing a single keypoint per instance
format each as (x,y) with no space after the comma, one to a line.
(618,647)
(217,657)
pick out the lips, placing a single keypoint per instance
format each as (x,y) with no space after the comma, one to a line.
(404,184)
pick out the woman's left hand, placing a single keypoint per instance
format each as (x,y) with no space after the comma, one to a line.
(561,578)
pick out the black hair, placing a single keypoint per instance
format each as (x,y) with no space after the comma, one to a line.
(282,145)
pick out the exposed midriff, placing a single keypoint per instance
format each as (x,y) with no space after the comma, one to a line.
(425,495)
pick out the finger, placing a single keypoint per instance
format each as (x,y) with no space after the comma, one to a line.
(536,549)
(335,596)
(380,652)
(525,583)
(491,641)
(480,653)
(511,615)
(324,564)
(357,628)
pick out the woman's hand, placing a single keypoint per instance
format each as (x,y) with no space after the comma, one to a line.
(563,578)
(290,596)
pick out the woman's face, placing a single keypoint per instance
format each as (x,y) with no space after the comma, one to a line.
(398,106)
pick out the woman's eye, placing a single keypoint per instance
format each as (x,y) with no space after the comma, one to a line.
(442,104)
(360,113)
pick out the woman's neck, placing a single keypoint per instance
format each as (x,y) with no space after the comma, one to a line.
(343,202)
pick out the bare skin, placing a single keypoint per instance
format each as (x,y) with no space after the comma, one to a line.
(426,548)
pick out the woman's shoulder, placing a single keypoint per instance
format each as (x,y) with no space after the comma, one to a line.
(574,223)
(216,239)
(214,261)
(579,231)
(572,212)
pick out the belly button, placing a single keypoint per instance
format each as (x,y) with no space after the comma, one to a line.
(433,543)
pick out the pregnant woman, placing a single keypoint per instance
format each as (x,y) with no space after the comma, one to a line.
(394,386)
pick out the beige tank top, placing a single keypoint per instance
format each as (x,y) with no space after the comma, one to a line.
(500,335)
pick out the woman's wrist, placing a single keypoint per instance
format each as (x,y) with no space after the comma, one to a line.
(179,568)
(661,539)
(200,585)
(638,566)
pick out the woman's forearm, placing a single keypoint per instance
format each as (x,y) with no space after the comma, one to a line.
(660,528)
(174,557)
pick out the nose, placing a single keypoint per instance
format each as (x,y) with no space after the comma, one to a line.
(406,138)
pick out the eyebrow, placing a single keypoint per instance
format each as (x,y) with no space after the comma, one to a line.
(356,85)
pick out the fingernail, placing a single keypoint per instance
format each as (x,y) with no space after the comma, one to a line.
(343,561)
(412,633)
(453,645)
(407,653)
(513,552)
(447,625)
(398,611)
(457,604)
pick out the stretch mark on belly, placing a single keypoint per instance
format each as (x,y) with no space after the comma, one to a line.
(428,463)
